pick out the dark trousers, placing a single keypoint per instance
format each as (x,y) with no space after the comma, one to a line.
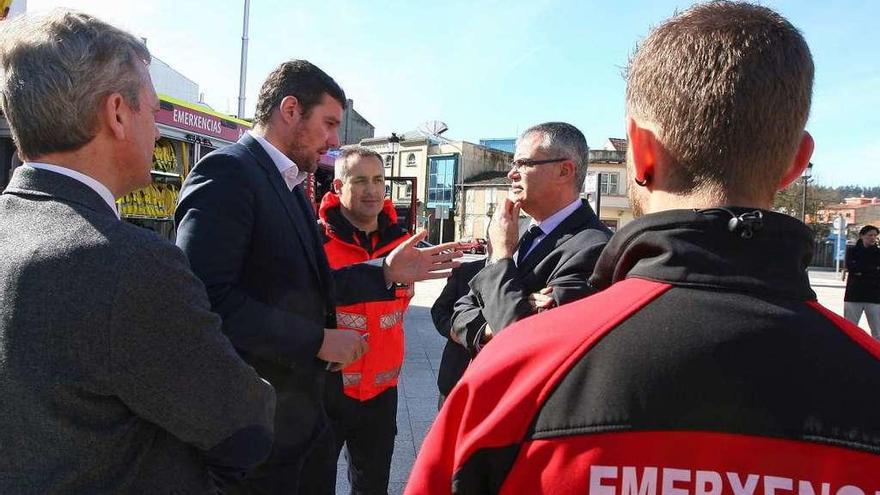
(367,430)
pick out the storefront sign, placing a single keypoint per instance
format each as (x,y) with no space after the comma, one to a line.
(175,114)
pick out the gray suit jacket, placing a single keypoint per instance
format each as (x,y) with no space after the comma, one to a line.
(114,375)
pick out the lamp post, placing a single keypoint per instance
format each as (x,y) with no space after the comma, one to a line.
(490,212)
(244,56)
(394,144)
(808,173)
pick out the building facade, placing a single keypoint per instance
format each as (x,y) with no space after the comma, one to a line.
(168,81)
(431,173)
(614,207)
(858,212)
(501,144)
(354,126)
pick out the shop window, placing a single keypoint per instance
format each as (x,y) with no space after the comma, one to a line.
(441,180)
(609,183)
(403,191)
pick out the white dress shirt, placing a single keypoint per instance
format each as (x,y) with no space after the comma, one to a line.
(96,186)
(548,224)
(293,176)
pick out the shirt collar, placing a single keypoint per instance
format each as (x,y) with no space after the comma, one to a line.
(548,224)
(96,186)
(282,162)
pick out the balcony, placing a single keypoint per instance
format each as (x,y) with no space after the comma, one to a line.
(615,202)
(607,156)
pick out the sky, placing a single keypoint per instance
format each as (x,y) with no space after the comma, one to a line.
(490,69)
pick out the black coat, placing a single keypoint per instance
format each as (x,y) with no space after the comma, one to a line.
(255,245)
(863,281)
(455,357)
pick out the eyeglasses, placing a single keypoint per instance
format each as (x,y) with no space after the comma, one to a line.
(525,162)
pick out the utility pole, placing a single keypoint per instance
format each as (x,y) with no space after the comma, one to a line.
(244,48)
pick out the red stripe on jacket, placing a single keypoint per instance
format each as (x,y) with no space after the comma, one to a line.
(496,399)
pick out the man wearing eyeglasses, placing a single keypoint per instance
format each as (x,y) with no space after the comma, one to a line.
(550,264)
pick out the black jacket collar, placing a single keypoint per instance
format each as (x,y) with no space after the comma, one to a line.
(696,248)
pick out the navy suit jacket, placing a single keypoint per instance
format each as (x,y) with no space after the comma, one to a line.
(255,245)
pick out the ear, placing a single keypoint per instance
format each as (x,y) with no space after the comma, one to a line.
(289,109)
(644,150)
(115,114)
(800,162)
(337,186)
(566,169)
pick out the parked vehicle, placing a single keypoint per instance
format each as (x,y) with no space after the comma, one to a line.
(473,246)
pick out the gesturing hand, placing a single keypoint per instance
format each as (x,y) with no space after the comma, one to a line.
(408,264)
(504,231)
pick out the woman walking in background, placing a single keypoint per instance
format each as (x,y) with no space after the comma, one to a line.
(863,282)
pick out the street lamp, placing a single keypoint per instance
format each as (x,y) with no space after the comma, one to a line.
(490,212)
(394,144)
(808,173)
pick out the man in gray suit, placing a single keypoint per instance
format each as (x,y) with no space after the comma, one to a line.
(114,375)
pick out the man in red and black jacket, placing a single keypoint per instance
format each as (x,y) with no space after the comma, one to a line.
(358,225)
(706,365)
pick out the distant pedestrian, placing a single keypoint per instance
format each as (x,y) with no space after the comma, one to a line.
(863,282)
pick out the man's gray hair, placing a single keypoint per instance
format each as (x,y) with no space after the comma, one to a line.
(341,165)
(564,140)
(55,72)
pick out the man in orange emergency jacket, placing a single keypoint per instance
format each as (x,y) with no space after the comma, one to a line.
(358,225)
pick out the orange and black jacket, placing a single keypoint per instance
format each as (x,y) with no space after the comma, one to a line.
(705,366)
(345,245)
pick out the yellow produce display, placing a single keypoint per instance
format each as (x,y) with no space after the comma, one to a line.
(158,200)
(164,158)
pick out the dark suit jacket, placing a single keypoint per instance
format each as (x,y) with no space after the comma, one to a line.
(455,357)
(114,375)
(564,260)
(255,245)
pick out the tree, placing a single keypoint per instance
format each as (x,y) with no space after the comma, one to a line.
(854,191)
(791,199)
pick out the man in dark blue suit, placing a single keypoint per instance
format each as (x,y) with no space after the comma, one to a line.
(251,236)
